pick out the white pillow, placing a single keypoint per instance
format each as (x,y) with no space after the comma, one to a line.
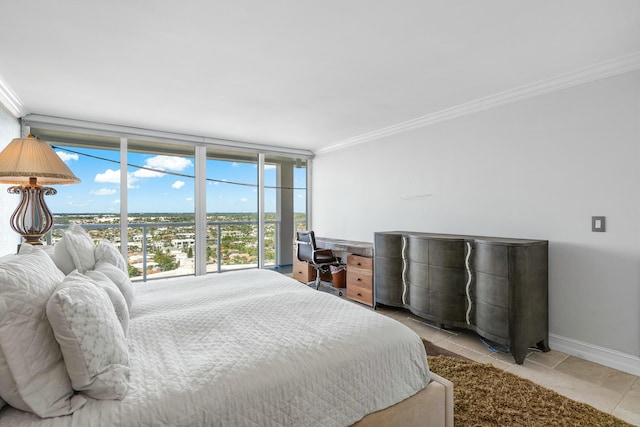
(119,278)
(2,403)
(32,371)
(117,299)
(27,248)
(81,247)
(62,256)
(90,337)
(106,251)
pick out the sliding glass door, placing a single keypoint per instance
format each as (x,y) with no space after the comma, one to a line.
(161,209)
(232,210)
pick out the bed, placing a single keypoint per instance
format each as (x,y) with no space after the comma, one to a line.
(255,347)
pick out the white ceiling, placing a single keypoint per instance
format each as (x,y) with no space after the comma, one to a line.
(293,73)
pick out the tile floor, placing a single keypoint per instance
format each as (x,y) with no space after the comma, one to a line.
(607,389)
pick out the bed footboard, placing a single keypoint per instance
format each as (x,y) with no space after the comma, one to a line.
(430,407)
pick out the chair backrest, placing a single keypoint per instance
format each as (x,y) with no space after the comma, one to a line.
(306,244)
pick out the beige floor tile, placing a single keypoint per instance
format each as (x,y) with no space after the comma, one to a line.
(627,415)
(550,359)
(470,341)
(506,358)
(426,331)
(629,407)
(574,388)
(599,375)
(463,351)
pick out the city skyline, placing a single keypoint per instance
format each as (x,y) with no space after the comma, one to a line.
(231,186)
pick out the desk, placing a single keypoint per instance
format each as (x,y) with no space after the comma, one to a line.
(364,249)
(359,260)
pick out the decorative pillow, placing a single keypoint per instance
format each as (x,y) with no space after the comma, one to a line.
(80,246)
(107,252)
(2,403)
(26,248)
(119,278)
(90,337)
(62,256)
(33,377)
(117,299)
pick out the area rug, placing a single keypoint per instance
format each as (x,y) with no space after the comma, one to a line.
(487,396)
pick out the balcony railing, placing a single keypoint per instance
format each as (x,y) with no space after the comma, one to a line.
(223,256)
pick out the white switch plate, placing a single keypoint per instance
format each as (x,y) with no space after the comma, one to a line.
(598,224)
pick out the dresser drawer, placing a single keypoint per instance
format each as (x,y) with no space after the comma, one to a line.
(363,294)
(490,259)
(356,261)
(303,272)
(359,277)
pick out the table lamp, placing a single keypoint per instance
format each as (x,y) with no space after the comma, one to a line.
(29,162)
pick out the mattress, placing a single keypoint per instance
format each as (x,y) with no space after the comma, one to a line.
(253,348)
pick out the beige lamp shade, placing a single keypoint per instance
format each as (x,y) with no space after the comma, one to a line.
(31,157)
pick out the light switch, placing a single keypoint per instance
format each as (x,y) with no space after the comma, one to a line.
(598,224)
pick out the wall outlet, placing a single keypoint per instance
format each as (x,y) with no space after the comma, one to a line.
(598,224)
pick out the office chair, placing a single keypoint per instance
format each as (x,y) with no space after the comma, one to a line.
(320,259)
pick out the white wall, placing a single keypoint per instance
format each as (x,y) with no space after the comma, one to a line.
(538,168)
(9,129)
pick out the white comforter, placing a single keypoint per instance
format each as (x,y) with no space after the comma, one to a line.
(253,348)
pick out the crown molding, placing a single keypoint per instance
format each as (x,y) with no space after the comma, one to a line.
(10,100)
(588,74)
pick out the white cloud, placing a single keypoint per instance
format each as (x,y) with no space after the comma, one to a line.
(168,162)
(66,157)
(146,173)
(103,192)
(178,185)
(161,163)
(189,199)
(244,200)
(113,177)
(109,176)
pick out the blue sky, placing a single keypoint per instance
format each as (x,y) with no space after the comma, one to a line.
(151,191)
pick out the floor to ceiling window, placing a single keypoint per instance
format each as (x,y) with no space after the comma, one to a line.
(232,210)
(161,209)
(181,205)
(285,206)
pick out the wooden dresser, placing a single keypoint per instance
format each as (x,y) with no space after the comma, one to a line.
(360,279)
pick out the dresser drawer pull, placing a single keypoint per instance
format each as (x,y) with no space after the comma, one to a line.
(359,264)
(359,294)
(358,280)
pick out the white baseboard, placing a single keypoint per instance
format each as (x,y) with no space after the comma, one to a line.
(593,353)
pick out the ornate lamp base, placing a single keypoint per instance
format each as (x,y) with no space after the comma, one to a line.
(32,218)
